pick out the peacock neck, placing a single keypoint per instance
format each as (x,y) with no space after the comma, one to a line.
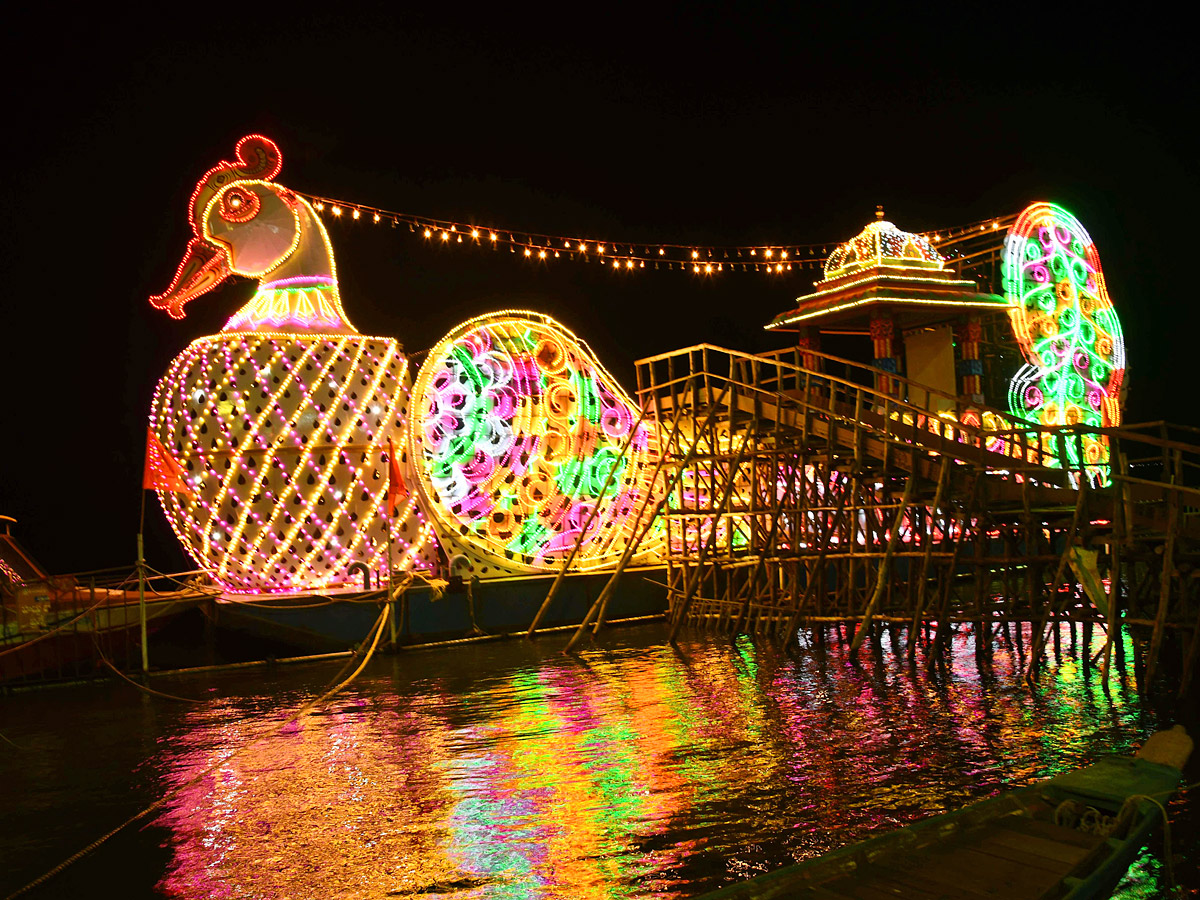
(301,294)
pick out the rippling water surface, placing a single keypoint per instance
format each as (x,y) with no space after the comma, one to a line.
(511,771)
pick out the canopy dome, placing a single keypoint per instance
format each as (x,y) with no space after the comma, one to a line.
(882,244)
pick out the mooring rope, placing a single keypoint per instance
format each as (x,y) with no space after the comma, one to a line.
(142,687)
(377,628)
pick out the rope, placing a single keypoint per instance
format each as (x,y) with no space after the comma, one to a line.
(1088,820)
(159,803)
(142,687)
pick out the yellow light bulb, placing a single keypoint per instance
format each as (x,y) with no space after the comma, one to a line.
(767,253)
(428,233)
(600,249)
(337,210)
(695,254)
(583,248)
(661,251)
(445,235)
(357,214)
(528,252)
(542,254)
(493,236)
(474,232)
(629,264)
(376,217)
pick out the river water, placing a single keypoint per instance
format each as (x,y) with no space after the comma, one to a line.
(508,770)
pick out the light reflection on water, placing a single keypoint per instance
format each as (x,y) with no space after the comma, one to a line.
(637,770)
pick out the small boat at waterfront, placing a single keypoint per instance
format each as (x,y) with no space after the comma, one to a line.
(53,626)
(1070,837)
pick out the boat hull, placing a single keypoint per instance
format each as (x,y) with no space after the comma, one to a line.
(496,607)
(1020,844)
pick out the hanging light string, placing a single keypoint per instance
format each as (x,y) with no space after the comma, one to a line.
(697,259)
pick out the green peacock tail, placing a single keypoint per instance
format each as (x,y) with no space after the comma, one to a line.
(1069,333)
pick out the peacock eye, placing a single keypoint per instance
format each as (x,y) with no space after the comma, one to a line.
(239,205)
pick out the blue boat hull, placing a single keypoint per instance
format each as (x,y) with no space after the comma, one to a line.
(502,606)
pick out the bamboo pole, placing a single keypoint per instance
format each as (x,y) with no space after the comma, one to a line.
(636,539)
(579,542)
(1168,571)
(817,573)
(885,564)
(690,586)
(1039,641)
(768,541)
(943,623)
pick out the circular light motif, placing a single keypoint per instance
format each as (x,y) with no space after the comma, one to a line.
(1067,328)
(523,434)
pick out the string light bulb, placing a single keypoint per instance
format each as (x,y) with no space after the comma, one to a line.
(808,255)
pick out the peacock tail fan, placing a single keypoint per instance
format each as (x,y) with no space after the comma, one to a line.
(526,448)
(1069,333)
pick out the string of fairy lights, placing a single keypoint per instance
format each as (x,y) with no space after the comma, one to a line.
(629,256)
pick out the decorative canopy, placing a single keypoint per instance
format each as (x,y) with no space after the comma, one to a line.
(883,244)
(883,266)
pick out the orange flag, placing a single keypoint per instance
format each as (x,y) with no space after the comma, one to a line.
(397,489)
(162,472)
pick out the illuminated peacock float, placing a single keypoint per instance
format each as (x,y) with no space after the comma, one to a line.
(1068,330)
(519,444)
(282,420)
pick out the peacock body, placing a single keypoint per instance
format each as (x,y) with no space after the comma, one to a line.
(282,421)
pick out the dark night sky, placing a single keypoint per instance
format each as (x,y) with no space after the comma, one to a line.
(697,125)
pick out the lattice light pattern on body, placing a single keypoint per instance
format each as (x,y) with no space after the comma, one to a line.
(1068,330)
(281,421)
(520,427)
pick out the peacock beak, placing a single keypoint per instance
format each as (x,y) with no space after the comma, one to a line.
(204,266)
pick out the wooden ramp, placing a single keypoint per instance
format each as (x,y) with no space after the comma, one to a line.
(797,497)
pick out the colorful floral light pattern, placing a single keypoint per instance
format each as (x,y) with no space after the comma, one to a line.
(520,428)
(282,420)
(1068,330)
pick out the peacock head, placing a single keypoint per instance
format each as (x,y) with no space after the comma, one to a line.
(244,224)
